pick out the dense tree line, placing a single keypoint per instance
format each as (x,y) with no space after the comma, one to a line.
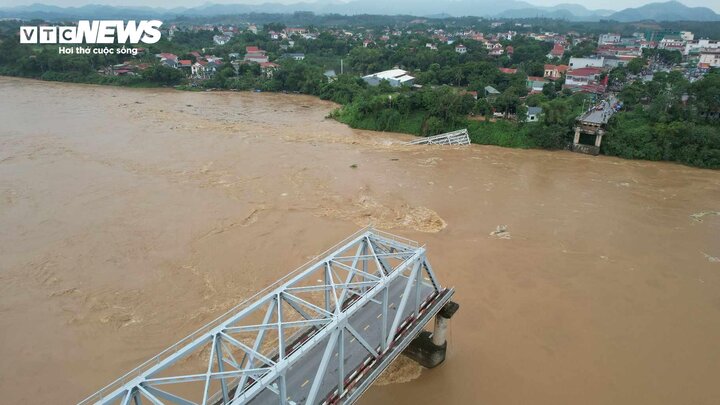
(669,118)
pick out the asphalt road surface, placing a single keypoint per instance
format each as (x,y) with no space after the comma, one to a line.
(367,322)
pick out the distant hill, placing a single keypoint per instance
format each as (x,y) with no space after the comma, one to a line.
(669,11)
(434,8)
(573,12)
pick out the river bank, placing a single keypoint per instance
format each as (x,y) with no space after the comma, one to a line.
(673,132)
(131,217)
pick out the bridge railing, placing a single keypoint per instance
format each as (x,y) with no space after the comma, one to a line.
(205,329)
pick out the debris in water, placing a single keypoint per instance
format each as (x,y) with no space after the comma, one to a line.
(711,259)
(698,215)
(400,371)
(366,210)
(501,232)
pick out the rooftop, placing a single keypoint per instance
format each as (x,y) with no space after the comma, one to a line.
(398,74)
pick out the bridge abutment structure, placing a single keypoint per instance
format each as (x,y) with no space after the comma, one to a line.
(320,335)
(593,123)
(429,348)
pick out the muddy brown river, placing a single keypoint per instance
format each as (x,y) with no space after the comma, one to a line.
(129,218)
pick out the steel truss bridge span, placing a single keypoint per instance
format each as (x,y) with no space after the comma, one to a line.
(321,335)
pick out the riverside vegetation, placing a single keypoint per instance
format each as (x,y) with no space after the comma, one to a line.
(667,118)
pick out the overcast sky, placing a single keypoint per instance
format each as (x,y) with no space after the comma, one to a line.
(591,4)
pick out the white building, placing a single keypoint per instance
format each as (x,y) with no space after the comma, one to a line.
(699,45)
(609,39)
(671,42)
(577,63)
(710,58)
(221,39)
(294,56)
(396,78)
(461,49)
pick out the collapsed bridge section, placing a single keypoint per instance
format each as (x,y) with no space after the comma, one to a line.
(322,334)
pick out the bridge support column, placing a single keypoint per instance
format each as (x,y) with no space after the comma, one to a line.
(428,349)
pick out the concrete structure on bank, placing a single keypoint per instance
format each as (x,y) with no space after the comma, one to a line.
(593,123)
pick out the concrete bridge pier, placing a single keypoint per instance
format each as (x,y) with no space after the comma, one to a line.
(428,349)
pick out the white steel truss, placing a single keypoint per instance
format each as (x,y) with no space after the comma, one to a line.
(309,338)
(459,137)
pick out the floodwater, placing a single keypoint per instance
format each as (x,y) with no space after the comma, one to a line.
(129,218)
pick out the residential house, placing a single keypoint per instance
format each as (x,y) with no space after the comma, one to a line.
(396,78)
(533,114)
(536,84)
(508,71)
(586,76)
(294,31)
(212,67)
(185,64)
(255,54)
(268,68)
(461,49)
(554,72)
(122,69)
(168,59)
(557,51)
(497,50)
(197,70)
(173,63)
